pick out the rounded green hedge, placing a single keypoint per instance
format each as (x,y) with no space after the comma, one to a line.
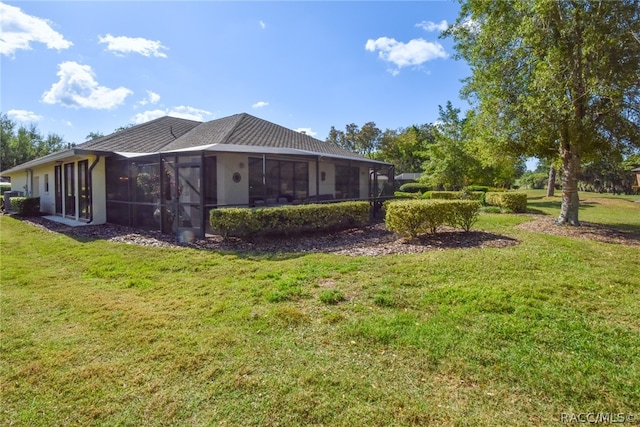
(245,222)
(413,217)
(515,201)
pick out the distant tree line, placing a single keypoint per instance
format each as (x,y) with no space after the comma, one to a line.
(445,151)
(19,144)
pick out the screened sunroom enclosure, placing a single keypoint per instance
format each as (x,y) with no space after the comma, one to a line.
(174,192)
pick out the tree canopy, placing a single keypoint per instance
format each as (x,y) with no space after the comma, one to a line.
(19,144)
(553,78)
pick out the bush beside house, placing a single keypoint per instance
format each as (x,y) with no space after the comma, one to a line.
(25,206)
(244,222)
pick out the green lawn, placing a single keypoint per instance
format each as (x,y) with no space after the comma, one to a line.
(100,333)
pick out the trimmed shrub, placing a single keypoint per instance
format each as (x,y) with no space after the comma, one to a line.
(517,202)
(413,217)
(25,206)
(414,187)
(245,222)
(465,214)
(426,195)
(482,188)
(473,195)
(233,222)
(406,195)
(446,195)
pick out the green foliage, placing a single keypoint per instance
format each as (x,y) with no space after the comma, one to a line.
(25,143)
(413,217)
(445,195)
(465,214)
(406,148)
(515,201)
(363,140)
(482,188)
(533,180)
(551,79)
(415,187)
(330,296)
(473,195)
(245,222)
(4,186)
(234,222)
(491,209)
(25,206)
(404,195)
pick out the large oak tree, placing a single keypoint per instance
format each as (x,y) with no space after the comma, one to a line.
(554,78)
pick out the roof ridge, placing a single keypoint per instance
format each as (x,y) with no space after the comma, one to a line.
(241,117)
(118,133)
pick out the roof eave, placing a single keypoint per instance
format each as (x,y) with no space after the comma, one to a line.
(237,148)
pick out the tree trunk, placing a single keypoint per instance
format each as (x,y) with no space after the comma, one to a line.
(570,199)
(551,184)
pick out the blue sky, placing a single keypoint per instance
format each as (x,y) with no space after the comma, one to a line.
(78,67)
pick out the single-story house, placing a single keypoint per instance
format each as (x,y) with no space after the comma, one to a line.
(168,173)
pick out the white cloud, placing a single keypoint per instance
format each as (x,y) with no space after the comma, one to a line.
(121,45)
(260,104)
(77,88)
(307,131)
(432,26)
(19,30)
(24,116)
(183,112)
(262,25)
(152,98)
(415,52)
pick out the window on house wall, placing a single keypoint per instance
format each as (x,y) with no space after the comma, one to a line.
(46,183)
(282,179)
(83,189)
(347,182)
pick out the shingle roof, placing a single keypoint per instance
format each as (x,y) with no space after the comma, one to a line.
(149,137)
(239,132)
(247,130)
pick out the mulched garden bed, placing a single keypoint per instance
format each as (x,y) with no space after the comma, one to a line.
(587,230)
(369,241)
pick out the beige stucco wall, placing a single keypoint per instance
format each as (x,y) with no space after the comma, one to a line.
(328,186)
(229,192)
(47,198)
(18,181)
(99,189)
(35,186)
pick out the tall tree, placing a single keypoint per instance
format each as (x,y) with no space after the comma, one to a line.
(406,148)
(554,77)
(449,163)
(25,143)
(363,140)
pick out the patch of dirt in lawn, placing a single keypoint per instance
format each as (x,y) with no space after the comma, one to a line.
(373,240)
(587,230)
